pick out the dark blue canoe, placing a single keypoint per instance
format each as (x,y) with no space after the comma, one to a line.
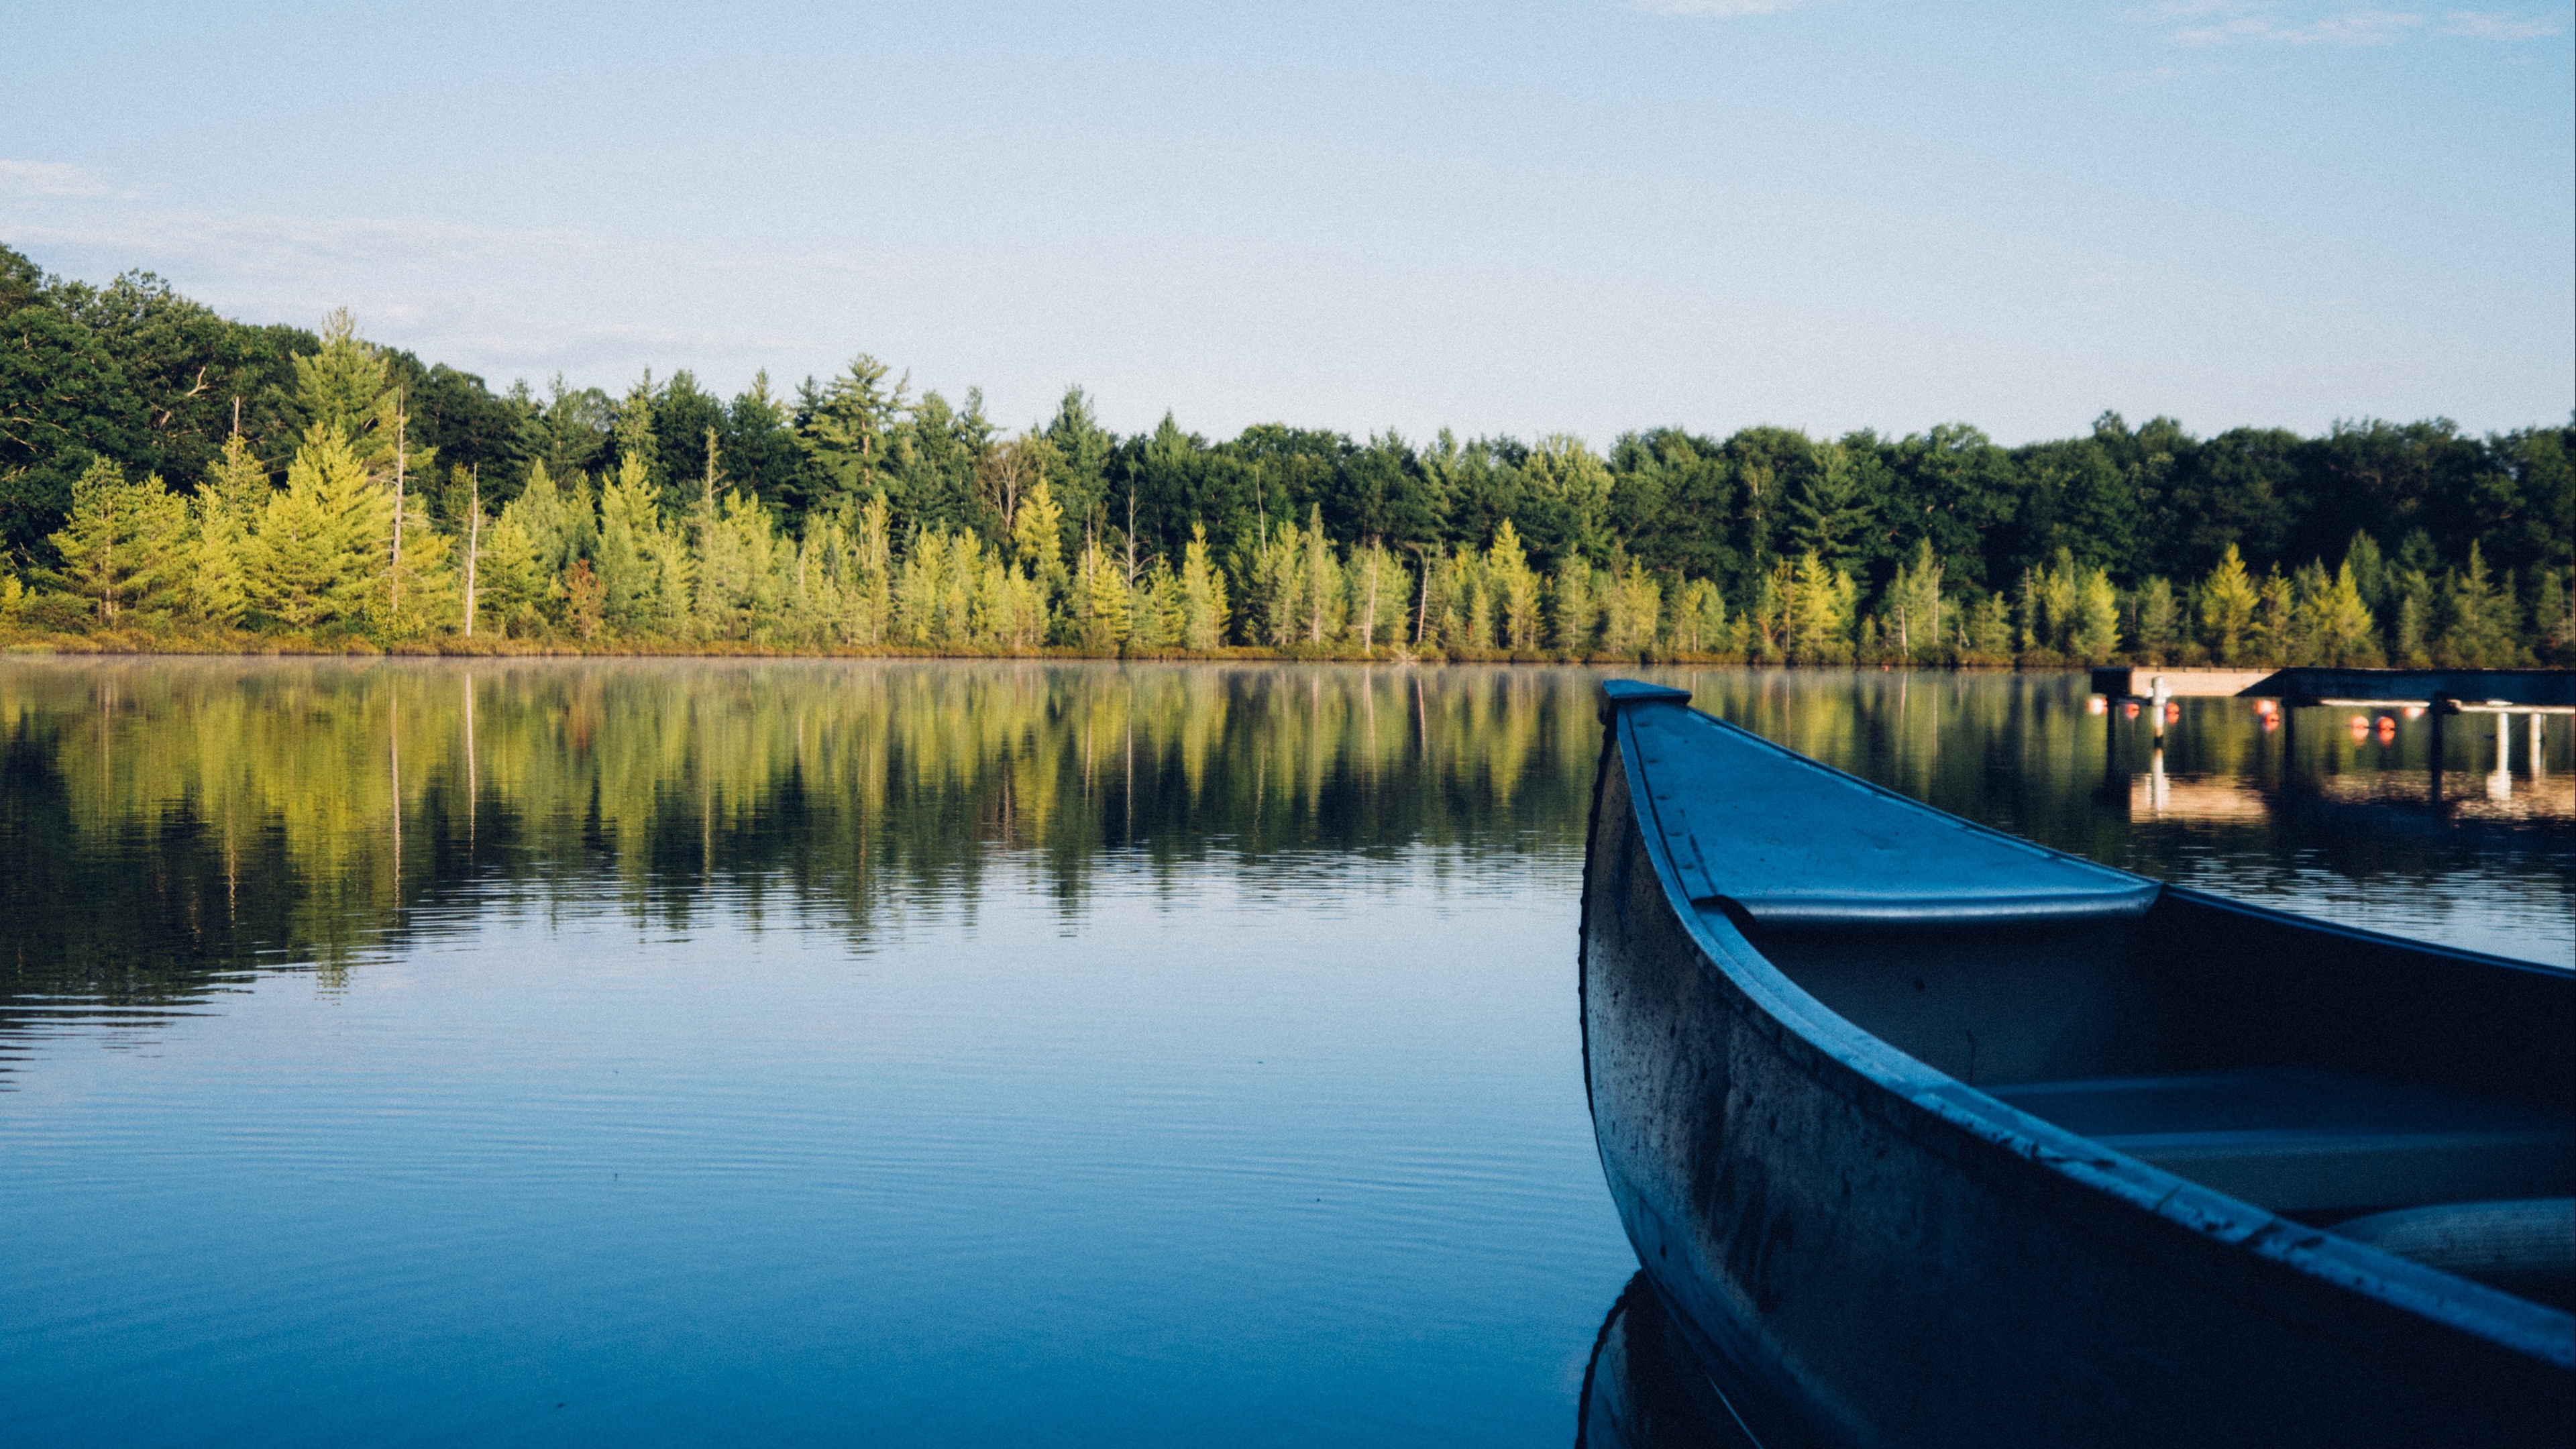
(1928,1135)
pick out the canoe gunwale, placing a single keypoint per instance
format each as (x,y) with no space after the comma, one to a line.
(1985,1135)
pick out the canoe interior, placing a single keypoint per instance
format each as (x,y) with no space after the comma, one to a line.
(2322,1074)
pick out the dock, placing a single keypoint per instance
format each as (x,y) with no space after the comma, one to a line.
(2446,691)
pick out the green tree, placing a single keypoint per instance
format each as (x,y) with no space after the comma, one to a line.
(643,567)
(1037,529)
(126,547)
(2097,615)
(510,588)
(2340,629)
(1827,514)
(343,388)
(228,504)
(2159,629)
(1910,608)
(843,426)
(2227,602)
(310,560)
(2480,633)
(1203,607)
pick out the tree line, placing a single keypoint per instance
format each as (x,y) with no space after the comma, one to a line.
(168,472)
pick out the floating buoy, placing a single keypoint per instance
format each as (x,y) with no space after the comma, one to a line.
(2096,705)
(2130,709)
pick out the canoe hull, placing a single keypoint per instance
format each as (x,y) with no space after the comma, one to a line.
(1860,1269)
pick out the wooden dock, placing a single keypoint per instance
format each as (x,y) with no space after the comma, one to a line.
(2140,682)
(2451,691)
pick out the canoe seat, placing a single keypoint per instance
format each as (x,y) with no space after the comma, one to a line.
(2526,1246)
(2316,1142)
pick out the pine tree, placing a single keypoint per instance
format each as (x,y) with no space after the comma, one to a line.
(1100,597)
(1910,609)
(1577,612)
(2227,602)
(1516,585)
(509,586)
(2097,616)
(643,569)
(1699,626)
(309,561)
(1202,595)
(2339,627)
(2159,619)
(1037,533)
(125,548)
(343,387)
(227,503)
(2481,619)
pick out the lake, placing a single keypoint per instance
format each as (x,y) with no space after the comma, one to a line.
(910,1052)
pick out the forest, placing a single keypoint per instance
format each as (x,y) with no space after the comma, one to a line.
(174,480)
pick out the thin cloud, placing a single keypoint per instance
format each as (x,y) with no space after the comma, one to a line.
(2496,25)
(49,178)
(2238,25)
(830,264)
(482,332)
(288,245)
(1719,9)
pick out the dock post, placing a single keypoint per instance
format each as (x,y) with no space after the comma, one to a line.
(2500,779)
(2433,713)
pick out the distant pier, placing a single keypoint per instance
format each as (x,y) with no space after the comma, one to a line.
(2434,693)
(2450,691)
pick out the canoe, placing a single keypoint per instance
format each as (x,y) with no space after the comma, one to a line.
(1928,1135)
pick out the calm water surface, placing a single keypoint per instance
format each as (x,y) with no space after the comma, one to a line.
(676,1052)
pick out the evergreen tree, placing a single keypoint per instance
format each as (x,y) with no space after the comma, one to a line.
(2339,627)
(1910,607)
(343,387)
(2227,602)
(642,567)
(510,588)
(2480,633)
(1699,626)
(227,505)
(1826,513)
(1577,612)
(2159,620)
(1203,609)
(126,546)
(1516,585)
(843,427)
(2097,616)
(312,557)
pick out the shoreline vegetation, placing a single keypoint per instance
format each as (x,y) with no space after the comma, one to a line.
(175,482)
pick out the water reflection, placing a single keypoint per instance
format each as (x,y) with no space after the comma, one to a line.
(169,828)
(1645,1389)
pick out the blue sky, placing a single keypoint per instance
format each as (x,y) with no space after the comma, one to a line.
(1524,218)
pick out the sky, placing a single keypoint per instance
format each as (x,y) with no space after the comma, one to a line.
(1523,218)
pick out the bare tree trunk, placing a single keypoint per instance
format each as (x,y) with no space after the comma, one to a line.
(1422,611)
(400,419)
(1368,618)
(473,545)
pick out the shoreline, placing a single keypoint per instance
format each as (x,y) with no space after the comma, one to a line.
(138,644)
